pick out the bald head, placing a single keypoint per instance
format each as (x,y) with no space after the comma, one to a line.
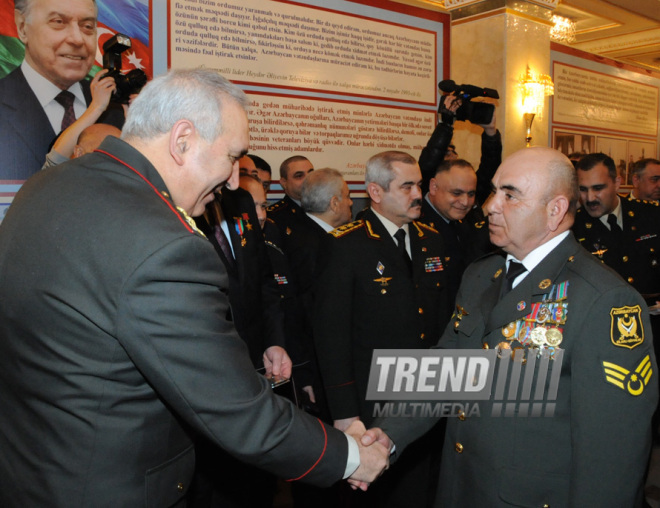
(534,199)
(91,137)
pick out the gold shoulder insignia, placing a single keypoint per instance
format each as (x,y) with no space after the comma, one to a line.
(189,220)
(632,382)
(370,231)
(276,206)
(480,224)
(424,226)
(626,327)
(347,228)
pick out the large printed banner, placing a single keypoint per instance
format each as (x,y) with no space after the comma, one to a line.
(332,82)
(288,45)
(596,100)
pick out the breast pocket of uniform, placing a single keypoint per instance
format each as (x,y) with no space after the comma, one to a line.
(167,483)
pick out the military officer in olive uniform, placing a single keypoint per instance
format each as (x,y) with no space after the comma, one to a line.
(591,448)
(380,289)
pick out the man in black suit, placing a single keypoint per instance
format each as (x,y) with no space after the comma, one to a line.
(449,208)
(287,211)
(115,350)
(592,449)
(60,47)
(382,287)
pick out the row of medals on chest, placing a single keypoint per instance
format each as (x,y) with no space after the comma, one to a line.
(540,329)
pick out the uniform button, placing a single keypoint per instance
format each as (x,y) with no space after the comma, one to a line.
(383,291)
(179,487)
(421,336)
(459,448)
(630,280)
(461,416)
(457,324)
(420,310)
(165,194)
(485,346)
(625,259)
(652,249)
(546,506)
(437,284)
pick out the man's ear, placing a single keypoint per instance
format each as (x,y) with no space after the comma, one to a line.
(19,19)
(557,208)
(375,192)
(182,137)
(334,203)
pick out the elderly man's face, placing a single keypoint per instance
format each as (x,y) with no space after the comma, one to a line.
(214,165)
(59,38)
(598,190)
(344,207)
(517,214)
(647,185)
(452,192)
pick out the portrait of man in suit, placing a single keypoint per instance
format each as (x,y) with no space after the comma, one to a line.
(47,92)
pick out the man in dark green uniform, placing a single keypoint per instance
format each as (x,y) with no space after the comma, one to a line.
(592,449)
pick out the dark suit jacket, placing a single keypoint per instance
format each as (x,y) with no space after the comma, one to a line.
(115,350)
(594,450)
(286,214)
(366,299)
(253,293)
(25,130)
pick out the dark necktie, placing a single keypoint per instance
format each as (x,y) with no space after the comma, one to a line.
(614,225)
(65,99)
(400,236)
(223,241)
(513,271)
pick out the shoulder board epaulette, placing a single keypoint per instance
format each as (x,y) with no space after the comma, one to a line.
(280,205)
(271,244)
(421,225)
(190,221)
(347,228)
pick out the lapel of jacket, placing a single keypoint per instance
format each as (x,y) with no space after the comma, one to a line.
(517,303)
(386,246)
(32,124)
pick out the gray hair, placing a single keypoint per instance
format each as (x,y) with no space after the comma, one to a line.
(319,188)
(640,166)
(196,95)
(24,6)
(380,170)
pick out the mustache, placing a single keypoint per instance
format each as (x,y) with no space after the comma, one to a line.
(416,202)
(593,203)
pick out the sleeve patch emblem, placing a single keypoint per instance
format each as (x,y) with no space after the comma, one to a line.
(631,382)
(626,328)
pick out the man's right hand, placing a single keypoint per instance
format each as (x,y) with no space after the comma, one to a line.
(374,459)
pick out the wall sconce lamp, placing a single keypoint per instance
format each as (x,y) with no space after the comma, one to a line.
(535,88)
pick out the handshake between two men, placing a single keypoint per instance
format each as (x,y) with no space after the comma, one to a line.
(375,448)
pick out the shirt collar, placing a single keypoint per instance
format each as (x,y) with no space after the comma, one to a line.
(45,90)
(390,226)
(539,254)
(326,227)
(617,212)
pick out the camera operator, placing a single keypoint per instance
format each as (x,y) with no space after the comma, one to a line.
(437,148)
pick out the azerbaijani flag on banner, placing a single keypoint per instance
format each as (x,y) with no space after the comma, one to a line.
(129,17)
